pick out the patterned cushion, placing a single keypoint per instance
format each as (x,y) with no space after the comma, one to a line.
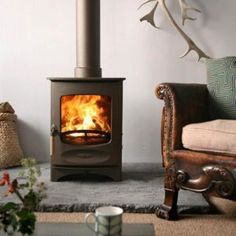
(213,136)
(221,83)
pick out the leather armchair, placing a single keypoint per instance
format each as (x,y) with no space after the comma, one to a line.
(211,174)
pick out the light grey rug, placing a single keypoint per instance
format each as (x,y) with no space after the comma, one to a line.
(141,190)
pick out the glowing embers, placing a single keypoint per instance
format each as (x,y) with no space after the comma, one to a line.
(85,119)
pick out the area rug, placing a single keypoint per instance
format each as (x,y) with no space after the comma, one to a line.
(140,191)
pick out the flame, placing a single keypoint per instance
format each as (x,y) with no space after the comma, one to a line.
(85,112)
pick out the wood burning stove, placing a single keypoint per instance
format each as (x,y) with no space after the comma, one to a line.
(86,126)
(86,111)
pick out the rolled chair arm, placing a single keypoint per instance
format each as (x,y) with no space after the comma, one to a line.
(184,104)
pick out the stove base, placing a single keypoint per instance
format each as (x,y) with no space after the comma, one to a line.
(62,173)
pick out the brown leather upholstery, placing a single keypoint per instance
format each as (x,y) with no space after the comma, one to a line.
(207,173)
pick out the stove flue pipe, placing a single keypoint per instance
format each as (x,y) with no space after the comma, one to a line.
(88,39)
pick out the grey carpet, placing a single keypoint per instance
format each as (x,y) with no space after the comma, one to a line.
(141,190)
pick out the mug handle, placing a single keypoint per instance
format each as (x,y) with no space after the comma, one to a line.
(87,216)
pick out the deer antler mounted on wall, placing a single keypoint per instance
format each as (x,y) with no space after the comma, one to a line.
(185,8)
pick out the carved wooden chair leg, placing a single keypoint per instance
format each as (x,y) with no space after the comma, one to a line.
(168,210)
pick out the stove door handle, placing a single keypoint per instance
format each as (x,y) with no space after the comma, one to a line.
(54,130)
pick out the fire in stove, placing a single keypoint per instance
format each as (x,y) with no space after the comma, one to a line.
(86,119)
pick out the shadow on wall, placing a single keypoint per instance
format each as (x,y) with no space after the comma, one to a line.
(32,141)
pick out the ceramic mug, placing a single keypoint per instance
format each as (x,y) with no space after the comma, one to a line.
(108,221)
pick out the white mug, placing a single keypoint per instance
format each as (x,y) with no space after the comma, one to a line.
(108,221)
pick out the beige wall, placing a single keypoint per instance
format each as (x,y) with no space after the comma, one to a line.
(37,40)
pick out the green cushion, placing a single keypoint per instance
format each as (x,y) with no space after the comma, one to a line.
(221,83)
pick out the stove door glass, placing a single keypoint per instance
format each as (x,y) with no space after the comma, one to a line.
(85,119)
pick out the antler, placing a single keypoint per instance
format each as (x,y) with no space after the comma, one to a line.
(191,44)
(184,7)
(150,16)
(162,3)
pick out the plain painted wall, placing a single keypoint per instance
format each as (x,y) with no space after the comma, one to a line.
(37,40)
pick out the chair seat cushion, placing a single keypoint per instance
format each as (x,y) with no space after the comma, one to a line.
(212,136)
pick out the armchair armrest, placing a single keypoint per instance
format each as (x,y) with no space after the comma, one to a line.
(184,104)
